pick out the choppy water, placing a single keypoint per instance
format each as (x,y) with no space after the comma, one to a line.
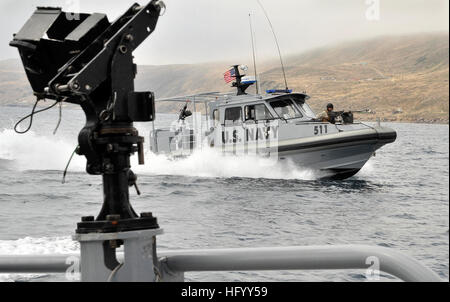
(399,200)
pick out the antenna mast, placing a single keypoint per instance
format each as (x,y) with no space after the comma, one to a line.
(276,41)
(254,54)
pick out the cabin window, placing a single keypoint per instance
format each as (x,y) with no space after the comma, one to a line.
(233,116)
(305,108)
(285,109)
(257,113)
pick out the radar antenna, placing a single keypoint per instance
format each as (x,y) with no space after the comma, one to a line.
(276,42)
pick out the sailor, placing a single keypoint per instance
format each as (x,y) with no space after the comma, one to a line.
(326,116)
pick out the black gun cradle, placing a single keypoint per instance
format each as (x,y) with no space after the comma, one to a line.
(86,60)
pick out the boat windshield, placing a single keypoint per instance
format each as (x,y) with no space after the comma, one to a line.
(305,108)
(285,109)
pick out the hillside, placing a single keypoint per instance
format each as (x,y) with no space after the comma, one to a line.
(399,78)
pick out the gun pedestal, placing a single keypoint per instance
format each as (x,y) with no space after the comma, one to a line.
(99,262)
(89,62)
(117,223)
(114,146)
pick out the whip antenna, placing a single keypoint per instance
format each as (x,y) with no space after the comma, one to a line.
(276,41)
(254,53)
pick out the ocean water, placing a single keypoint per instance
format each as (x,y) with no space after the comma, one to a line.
(399,200)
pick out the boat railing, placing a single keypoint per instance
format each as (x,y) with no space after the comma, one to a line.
(172,265)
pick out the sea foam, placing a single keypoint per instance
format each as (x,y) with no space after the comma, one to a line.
(35,152)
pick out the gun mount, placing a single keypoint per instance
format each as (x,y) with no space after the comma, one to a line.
(345,117)
(184,113)
(241,85)
(88,61)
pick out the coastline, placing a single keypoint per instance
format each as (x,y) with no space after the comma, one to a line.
(358,117)
(394,119)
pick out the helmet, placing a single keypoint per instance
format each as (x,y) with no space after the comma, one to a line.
(330,106)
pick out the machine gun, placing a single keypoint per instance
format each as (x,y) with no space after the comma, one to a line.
(184,113)
(345,117)
(88,61)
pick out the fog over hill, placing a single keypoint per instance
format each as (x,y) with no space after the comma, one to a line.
(403,78)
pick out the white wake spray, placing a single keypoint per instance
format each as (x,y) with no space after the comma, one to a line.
(35,152)
(210,163)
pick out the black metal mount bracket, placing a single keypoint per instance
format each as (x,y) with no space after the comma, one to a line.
(241,87)
(88,61)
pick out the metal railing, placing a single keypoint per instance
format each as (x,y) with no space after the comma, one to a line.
(173,264)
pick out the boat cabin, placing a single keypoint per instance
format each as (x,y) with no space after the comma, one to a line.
(254,109)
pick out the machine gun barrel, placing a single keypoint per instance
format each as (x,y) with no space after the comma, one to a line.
(362,111)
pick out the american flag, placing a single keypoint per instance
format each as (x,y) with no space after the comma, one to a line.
(230,75)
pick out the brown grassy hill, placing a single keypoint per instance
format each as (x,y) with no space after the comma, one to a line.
(403,78)
(407,74)
(400,78)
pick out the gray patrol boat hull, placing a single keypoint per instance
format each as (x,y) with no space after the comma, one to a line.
(337,156)
(278,126)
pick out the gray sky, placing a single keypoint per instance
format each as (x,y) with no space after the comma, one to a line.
(194,31)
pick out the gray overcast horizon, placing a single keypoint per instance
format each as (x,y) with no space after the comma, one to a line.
(194,31)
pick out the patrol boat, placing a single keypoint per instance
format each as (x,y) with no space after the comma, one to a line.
(279,125)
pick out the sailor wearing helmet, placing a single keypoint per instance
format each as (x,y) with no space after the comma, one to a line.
(326,116)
